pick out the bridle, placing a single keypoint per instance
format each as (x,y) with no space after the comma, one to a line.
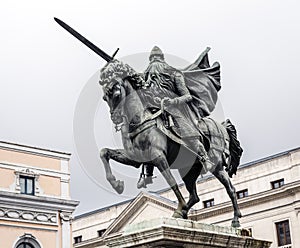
(117,112)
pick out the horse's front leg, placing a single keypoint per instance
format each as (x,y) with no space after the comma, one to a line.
(162,164)
(120,156)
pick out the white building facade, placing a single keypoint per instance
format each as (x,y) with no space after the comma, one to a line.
(269,199)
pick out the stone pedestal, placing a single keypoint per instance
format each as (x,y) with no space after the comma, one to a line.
(170,232)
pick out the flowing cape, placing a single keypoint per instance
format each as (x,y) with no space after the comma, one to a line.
(203,82)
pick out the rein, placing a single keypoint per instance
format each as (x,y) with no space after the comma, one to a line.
(142,127)
(148,122)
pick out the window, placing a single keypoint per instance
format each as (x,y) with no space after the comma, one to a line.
(209,203)
(27,241)
(277,184)
(78,239)
(246,232)
(27,185)
(25,245)
(26,182)
(242,193)
(100,232)
(283,233)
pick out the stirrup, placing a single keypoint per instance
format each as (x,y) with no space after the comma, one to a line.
(143,181)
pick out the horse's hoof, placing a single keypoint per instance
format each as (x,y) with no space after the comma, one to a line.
(118,186)
(178,214)
(184,214)
(235,223)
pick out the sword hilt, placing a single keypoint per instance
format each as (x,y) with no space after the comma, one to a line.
(114,54)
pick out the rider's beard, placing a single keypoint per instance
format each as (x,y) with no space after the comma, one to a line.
(159,71)
(159,67)
(158,75)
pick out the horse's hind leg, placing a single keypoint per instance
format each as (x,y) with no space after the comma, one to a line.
(189,178)
(162,164)
(223,177)
(120,156)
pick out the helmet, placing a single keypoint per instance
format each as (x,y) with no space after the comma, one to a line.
(156,51)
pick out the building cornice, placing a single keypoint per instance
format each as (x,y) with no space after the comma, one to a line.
(34,150)
(28,216)
(249,201)
(269,158)
(18,200)
(48,172)
(90,243)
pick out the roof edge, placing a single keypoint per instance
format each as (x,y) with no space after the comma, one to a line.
(34,150)
(264,159)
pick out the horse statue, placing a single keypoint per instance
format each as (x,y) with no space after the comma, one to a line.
(146,140)
(149,142)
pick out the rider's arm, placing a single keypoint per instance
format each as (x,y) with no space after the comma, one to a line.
(183,92)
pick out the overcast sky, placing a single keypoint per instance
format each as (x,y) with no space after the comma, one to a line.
(44,70)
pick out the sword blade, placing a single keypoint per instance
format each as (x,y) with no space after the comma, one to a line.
(85,41)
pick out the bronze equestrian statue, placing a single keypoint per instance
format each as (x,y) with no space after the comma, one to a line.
(163,116)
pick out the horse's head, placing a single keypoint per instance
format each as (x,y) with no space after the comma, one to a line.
(114,78)
(114,94)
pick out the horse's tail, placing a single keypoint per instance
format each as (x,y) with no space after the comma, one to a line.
(234,148)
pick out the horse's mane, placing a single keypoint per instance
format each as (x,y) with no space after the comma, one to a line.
(117,69)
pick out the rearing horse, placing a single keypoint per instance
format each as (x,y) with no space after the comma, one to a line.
(146,141)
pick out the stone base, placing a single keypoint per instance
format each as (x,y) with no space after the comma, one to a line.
(170,232)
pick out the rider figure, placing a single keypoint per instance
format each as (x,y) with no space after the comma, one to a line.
(167,89)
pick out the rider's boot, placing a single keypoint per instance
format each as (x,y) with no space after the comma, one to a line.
(198,146)
(206,163)
(144,180)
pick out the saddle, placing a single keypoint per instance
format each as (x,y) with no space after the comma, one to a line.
(211,133)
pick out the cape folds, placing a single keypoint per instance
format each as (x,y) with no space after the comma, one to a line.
(203,82)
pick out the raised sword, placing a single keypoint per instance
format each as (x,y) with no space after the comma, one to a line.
(86,42)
